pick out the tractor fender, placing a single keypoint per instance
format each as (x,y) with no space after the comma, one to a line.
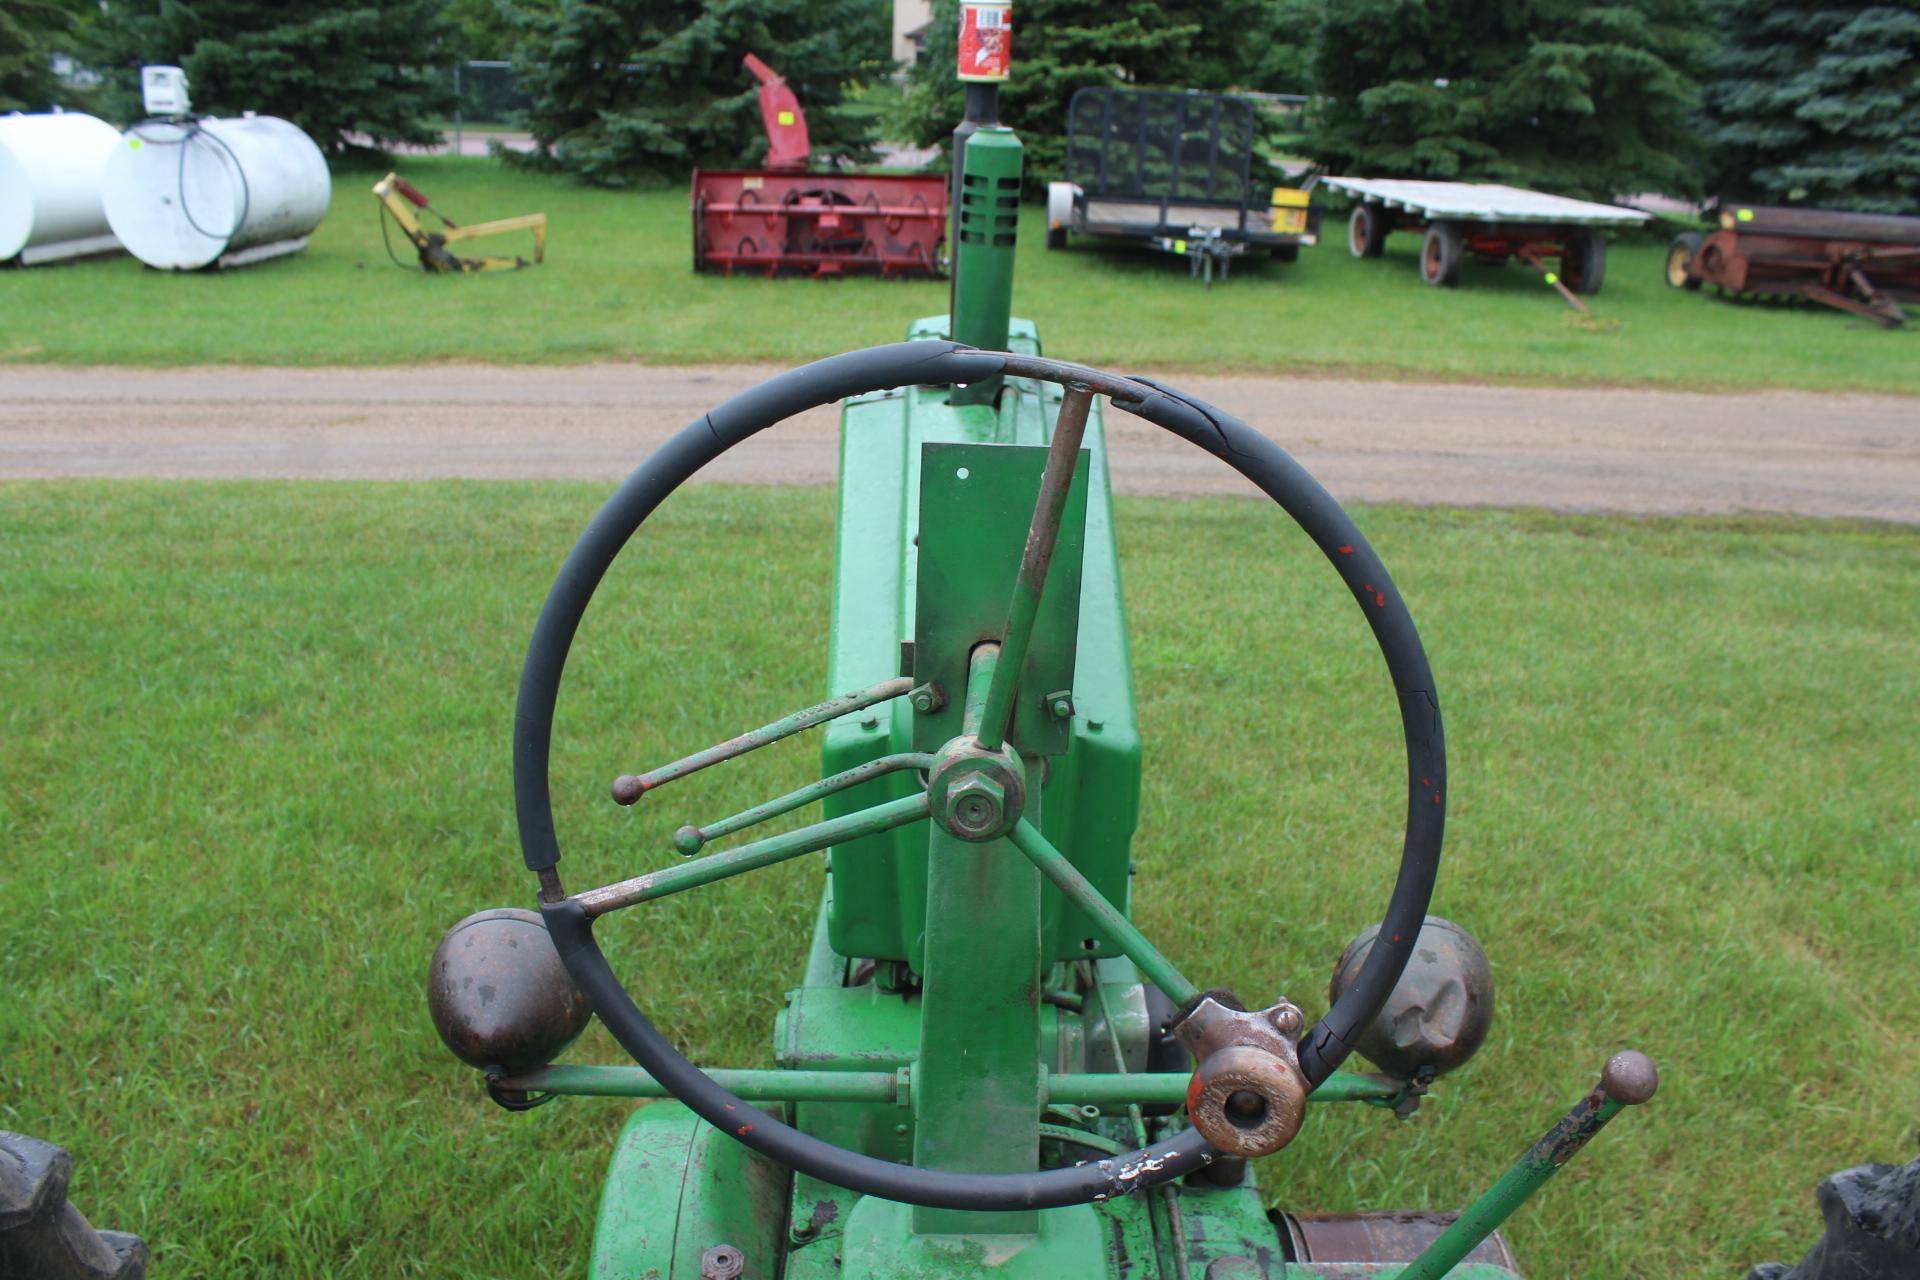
(678,1190)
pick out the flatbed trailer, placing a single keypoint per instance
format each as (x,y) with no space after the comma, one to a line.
(1491,222)
(1173,172)
(1866,263)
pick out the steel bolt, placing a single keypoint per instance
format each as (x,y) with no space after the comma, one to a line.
(1285,1018)
(975,805)
(1060,704)
(722,1262)
(929,698)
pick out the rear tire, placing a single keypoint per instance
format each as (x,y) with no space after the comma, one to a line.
(1440,254)
(1056,237)
(1583,263)
(1680,255)
(41,1234)
(1367,230)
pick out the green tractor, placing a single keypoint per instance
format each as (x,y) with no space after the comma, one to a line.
(985,1069)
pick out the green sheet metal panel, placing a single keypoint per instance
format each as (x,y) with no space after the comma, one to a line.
(676,1188)
(976,502)
(1092,796)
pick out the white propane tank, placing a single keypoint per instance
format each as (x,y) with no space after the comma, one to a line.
(185,194)
(51,168)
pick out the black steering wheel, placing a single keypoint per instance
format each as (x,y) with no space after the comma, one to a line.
(930,363)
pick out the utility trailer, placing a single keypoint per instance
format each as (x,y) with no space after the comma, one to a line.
(1490,222)
(787,219)
(1866,263)
(1173,171)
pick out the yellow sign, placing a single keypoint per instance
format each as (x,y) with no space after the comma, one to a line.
(786,117)
(1179,246)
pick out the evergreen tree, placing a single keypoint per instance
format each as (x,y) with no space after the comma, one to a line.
(1817,105)
(628,91)
(1584,100)
(31,31)
(1063,46)
(377,71)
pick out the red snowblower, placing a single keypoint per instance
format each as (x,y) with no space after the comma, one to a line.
(784,218)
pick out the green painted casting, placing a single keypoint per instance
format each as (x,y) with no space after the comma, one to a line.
(986,227)
(977,1080)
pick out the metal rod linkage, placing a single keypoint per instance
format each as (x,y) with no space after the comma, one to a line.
(1063,455)
(751,1085)
(1629,1079)
(689,840)
(751,857)
(1054,865)
(1102,1089)
(629,787)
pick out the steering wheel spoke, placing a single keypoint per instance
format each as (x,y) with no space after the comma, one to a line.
(1054,865)
(751,857)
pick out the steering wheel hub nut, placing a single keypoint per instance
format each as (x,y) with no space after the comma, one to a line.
(1248,1097)
(976,794)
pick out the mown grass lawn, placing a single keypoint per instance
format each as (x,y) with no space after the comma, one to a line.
(619,284)
(253,760)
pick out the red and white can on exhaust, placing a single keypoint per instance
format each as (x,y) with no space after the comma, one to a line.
(986,41)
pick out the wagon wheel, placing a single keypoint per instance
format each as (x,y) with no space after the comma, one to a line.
(1583,263)
(1367,229)
(1319,1050)
(1680,256)
(1441,253)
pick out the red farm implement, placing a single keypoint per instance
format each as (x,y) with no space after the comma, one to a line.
(784,218)
(1866,263)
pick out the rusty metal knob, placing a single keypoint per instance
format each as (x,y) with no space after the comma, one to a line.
(1629,1077)
(499,995)
(1246,1101)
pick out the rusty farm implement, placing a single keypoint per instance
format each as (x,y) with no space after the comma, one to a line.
(1865,263)
(787,218)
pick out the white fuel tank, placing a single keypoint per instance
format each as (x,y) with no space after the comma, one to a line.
(187,194)
(51,169)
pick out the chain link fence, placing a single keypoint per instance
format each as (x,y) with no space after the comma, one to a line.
(489,101)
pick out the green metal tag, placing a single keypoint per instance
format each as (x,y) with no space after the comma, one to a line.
(976,501)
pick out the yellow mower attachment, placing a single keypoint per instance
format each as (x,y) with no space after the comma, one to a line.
(398,198)
(1290,210)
